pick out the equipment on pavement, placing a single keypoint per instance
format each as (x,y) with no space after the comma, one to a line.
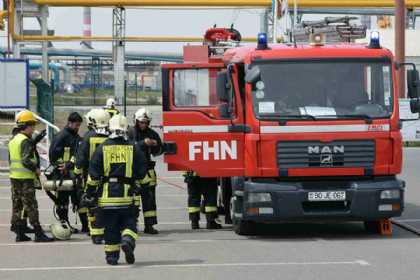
(61,230)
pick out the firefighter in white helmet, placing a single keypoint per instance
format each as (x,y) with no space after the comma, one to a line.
(151,144)
(110,107)
(100,123)
(115,170)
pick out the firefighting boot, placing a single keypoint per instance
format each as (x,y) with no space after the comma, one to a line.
(40,235)
(112,258)
(20,234)
(213,225)
(97,239)
(84,222)
(149,229)
(127,245)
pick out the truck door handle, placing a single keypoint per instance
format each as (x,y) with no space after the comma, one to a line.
(239,128)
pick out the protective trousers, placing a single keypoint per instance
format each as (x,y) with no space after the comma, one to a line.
(206,187)
(24,201)
(148,198)
(95,222)
(119,223)
(62,204)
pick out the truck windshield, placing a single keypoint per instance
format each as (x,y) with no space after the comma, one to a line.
(322,89)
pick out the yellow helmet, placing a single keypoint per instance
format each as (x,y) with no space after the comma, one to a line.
(25,117)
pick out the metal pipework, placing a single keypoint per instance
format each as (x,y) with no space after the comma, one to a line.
(223,3)
(400,44)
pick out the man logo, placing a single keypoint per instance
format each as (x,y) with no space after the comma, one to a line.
(218,150)
(326,153)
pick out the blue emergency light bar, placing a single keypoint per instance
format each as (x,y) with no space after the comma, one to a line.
(374,40)
(262,41)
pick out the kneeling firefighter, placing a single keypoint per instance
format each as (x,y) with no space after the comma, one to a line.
(150,143)
(100,121)
(206,187)
(114,174)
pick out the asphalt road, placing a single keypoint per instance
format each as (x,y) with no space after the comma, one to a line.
(308,251)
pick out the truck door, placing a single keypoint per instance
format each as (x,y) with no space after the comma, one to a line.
(203,138)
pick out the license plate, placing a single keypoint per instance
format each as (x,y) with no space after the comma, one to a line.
(327,196)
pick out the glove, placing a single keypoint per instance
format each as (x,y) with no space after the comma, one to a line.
(88,201)
(40,136)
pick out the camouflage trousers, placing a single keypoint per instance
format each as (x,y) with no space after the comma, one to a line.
(24,202)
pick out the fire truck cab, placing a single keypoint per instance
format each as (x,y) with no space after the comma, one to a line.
(301,132)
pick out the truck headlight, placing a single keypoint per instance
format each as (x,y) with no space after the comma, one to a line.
(390,194)
(259,197)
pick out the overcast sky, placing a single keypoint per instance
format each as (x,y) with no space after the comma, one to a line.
(148,22)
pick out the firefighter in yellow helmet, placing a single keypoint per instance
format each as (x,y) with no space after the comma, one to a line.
(24,170)
(115,170)
(110,107)
(99,119)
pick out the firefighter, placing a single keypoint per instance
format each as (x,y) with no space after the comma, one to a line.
(110,107)
(62,156)
(151,144)
(100,121)
(82,177)
(197,187)
(114,173)
(24,171)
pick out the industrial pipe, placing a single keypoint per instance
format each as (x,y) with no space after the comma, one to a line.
(157,39)
(400,44)
(223,3)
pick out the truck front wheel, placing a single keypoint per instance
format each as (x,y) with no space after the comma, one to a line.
(244,227)
(372,227)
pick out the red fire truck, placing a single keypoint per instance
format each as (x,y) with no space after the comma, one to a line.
(299,132)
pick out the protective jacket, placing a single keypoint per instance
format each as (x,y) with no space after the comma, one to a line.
(22,157)
(64,147)
(137,136)
(91,141)
(115,168)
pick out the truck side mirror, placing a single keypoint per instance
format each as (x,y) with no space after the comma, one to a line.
(253,74)
(413,84)
(222,86)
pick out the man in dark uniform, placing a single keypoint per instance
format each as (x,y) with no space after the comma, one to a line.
(151,144)
(24,170)
(115,168)
(197,187)
(92,139)
(62,155)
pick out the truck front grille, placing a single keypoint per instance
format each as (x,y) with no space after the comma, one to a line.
(342,153)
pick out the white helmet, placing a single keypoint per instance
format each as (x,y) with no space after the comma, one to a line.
(118,125)
(60,231)
(99,117)
(88,120)
(142,114)
(110,103)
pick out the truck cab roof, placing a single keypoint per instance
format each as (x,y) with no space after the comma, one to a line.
(248,54)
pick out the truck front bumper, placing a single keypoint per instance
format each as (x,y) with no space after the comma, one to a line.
(290,200)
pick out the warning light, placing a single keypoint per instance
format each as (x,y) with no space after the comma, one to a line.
(262,41)
(374,40)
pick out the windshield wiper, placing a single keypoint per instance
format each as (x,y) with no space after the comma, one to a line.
(365,117)
(283,119)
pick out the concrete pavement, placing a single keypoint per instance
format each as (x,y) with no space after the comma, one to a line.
(293,251)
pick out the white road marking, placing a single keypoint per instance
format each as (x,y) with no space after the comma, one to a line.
(53,268)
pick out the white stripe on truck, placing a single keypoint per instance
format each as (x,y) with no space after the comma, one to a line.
(325,128)
(196,128)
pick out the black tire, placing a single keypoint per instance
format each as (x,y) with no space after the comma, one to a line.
(372,227)
(244,228)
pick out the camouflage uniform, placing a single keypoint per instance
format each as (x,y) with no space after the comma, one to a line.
(24,202)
